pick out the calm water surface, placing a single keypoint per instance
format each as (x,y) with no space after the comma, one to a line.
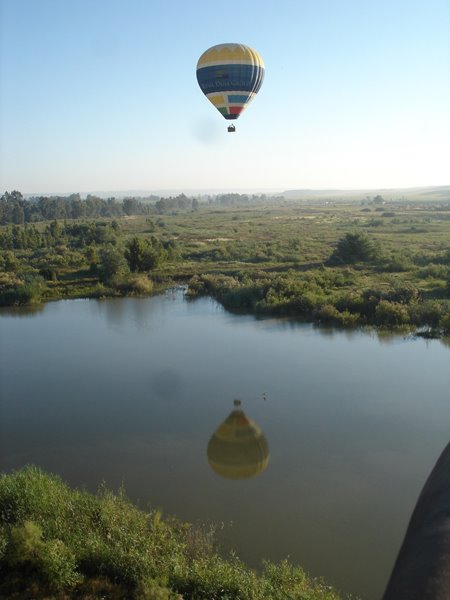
(131,390)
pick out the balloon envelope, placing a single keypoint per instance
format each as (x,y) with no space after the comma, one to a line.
(230,76)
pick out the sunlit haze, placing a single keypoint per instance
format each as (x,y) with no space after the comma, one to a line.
(102,95)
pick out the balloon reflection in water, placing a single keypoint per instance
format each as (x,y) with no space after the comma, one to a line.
(238,448)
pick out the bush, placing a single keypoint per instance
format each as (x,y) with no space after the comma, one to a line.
(375,223)
(58,565)
(399,293)
(355,247)
(9,262)
(52,561)
(351,302)
(397,263)
(48,274)
(391,314)
(429,312)
(151,589)
(328,313)
(284,581)
(21,294)
(112,264)
(144,254)
(138,285)
(25,543)
(445,324)
(196,287)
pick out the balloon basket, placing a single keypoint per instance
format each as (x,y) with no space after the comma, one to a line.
(231,128)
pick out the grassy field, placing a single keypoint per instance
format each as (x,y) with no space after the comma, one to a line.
(278,258)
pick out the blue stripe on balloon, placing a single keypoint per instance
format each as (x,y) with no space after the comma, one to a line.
(230,78)
(238,98)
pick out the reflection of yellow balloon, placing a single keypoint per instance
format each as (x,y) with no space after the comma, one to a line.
(238,448)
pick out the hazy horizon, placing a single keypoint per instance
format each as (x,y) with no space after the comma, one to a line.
(211,191)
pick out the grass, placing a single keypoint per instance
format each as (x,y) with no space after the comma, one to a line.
(57,543)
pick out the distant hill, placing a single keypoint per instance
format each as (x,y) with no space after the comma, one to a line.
(118,194)
(157,193)
(431,193)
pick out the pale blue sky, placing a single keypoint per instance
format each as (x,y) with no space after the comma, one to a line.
(102,95)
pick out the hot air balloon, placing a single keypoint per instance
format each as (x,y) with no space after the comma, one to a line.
(238,448)
(230,76)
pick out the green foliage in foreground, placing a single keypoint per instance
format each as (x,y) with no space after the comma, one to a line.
(57,543)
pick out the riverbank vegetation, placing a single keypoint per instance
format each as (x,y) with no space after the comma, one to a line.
(57,543)
(368,262)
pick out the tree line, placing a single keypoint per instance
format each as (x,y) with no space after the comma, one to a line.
(17,210)
(75,235)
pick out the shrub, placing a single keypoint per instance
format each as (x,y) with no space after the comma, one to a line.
(396,263)
(112,264)
(53,562)
(48,274)
(151,589)
(9,262)
(196,287)
(25,544)
(136,284)
(328,313)
(399,293)
(429,312)
(351,302)
(144,254)
(283,581)
(58,565)
(21,294)
(375,223)
(445,324)
(355,247)
(391,314)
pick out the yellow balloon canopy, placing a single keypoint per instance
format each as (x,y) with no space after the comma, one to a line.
(230,75)
(238,448)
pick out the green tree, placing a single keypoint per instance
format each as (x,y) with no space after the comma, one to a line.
(143,254)
(355,247)
(54,230)
(10,262)
(11,208)
(18,215)
(135,253)
(112,263)
(130,206)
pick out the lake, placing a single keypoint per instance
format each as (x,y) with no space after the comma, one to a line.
(130,391)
